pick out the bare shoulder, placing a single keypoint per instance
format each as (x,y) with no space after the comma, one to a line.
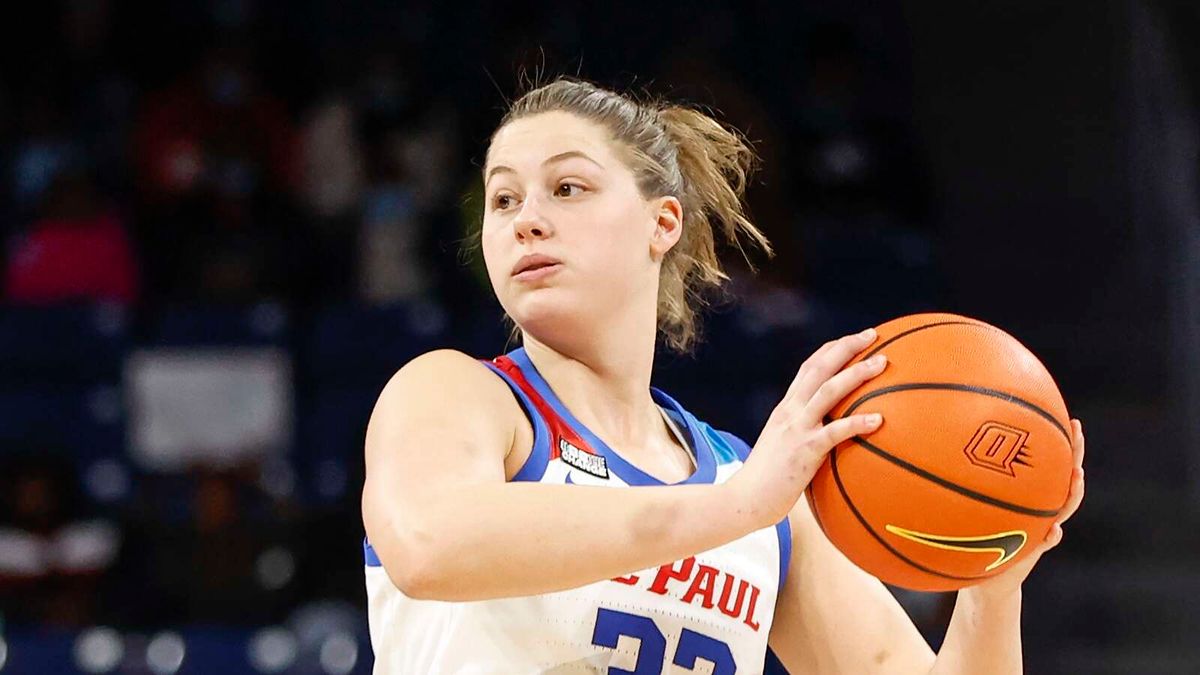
(446,374)
(444,399)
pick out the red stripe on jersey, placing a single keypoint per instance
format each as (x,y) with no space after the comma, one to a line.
(559,429)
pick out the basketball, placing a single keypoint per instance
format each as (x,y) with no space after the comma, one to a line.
(970,467)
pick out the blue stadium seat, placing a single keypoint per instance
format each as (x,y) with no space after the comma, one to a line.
(206,650)
(228,651)
(70,343)
(332,424)
(40,652)
(215,650)
(332,421)
(261,325)
(86,421)
(481,332)
(355,344)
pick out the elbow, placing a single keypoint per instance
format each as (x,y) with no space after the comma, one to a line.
(414,579)
(406,550)
(416,570)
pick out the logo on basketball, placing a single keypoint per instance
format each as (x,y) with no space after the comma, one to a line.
(1005,545)
(998,447)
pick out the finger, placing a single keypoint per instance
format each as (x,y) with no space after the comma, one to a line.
(1053,537)
(816,356)
(825,348)
(1077,442)
(1074,497)
(826,361)
(1076,490)
(840,430)
(836,388)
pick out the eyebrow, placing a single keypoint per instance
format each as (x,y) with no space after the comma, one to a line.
(560,157)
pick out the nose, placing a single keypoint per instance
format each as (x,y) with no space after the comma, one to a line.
(529,224)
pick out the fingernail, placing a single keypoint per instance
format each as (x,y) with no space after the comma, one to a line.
(867,334)
(877,361)
(874,419)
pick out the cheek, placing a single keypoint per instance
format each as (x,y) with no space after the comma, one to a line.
(619,259)
(628,241)
(490,246)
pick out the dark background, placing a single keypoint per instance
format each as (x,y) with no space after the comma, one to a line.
(296,180)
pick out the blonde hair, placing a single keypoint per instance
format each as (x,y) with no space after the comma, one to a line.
(678,151)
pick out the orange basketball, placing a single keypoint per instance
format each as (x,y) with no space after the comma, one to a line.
(971,465)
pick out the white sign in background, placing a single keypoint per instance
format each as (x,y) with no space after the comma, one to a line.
(207,406)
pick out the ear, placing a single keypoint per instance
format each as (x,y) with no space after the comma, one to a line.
(668,226)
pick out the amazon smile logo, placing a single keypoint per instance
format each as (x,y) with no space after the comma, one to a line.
(1004,544)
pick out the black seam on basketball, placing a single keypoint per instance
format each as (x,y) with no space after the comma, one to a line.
(837,478)
(910,331)
(951,386)
(954,487)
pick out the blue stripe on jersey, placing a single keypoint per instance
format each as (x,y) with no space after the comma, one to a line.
(724,452)
(783,529)
(737,445)
(706,470)
(369,556)
(535,466)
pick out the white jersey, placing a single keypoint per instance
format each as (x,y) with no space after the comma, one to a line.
(710,612)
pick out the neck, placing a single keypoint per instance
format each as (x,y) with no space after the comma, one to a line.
(604,376)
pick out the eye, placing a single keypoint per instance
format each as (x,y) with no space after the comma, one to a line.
(501,202)
(560,192)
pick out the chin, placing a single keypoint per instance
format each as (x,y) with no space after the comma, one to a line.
(546,315)
(539,308)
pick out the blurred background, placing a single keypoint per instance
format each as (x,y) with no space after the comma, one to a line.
(226,223)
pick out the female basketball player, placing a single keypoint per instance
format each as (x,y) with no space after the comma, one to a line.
(497,542)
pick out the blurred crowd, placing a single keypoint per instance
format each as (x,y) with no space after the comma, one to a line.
(238,159)
(315,166)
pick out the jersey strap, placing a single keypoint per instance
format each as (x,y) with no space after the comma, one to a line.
(562,436)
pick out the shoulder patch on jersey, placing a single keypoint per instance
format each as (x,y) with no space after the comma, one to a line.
(586,462)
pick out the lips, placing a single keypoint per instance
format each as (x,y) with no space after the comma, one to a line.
(533,263)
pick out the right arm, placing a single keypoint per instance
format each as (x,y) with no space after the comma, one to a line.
(447,526)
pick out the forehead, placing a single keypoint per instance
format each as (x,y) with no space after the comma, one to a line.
(531,139)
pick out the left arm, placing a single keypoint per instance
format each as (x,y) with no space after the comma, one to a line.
(832,617)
